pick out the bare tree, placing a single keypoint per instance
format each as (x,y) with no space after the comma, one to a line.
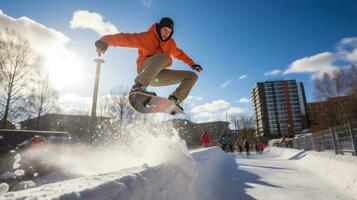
(120,108)
(15,55)
(336,89)
(243,124)
(352,79)
(244,121)
(42,98)
(324,87)
(235,120)
(332,85)
(104,106)
(352,82)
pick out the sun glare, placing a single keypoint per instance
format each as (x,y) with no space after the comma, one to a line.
(65,71)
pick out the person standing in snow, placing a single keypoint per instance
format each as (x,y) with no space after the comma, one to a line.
(205,140)
(223,141)
(240,148)
(231,143)
(247,147)
(155,49)
(256,147)
(262,147)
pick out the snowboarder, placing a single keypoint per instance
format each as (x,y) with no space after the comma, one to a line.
(155,49)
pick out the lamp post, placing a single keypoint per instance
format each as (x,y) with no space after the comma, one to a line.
(96,85)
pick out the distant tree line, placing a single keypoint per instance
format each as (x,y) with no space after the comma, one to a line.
(244,128)
(24,85)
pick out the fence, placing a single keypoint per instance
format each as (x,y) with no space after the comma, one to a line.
(340,139)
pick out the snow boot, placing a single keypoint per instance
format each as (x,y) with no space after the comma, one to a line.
(176,101)
(138,87)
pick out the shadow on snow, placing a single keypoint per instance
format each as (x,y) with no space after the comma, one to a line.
(221,179)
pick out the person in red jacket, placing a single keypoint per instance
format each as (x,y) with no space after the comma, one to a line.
(205,140)
(261,147)
(155,49)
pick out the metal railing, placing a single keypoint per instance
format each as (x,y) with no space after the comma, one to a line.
(340,139)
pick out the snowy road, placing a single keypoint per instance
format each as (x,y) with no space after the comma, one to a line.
(261,177)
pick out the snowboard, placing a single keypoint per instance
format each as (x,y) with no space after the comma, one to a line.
(147,103)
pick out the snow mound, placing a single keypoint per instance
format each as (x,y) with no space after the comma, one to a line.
(339,170)
(146,183)
(139,161)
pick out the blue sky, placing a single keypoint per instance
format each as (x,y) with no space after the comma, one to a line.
(236,42)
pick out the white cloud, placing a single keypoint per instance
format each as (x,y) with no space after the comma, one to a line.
(93,21)
(351,41)
(234,111)
(326,62)
(146,3)
(352,56)
(347,48)
(243,76)
(50,45)
(244,100)
(214,111)
(192,100)
(315,65)
(211,107)
(207,117)
(73,104)
(223,85)
(273,72)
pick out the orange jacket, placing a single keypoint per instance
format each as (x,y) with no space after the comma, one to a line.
(148,43)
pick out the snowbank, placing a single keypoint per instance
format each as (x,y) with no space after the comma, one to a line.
(172,180)
(160,182)
(337,169)
(146,161)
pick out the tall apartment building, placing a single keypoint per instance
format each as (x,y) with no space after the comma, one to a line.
(279,108)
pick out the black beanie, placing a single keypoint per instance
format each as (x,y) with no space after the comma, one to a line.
(166,22)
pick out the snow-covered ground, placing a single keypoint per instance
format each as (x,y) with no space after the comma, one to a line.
(278,174)
(338,170)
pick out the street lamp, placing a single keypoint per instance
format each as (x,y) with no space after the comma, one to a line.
(99,61)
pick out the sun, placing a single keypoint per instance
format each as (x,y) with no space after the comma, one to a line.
(65,71)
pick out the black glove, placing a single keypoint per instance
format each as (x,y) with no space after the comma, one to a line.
(196,67)
(101,46)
